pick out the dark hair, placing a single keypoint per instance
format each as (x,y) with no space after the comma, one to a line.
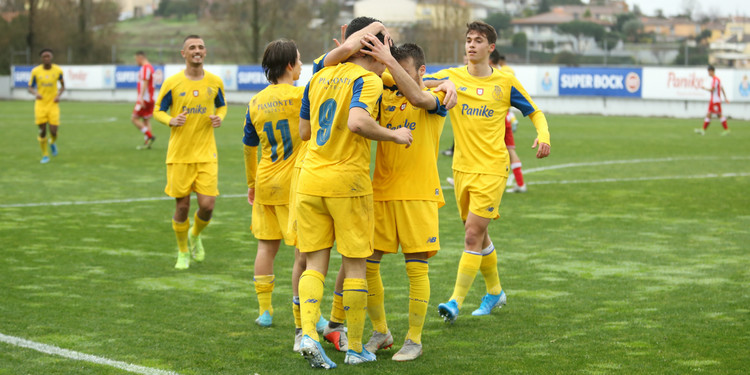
(191,36)
(711,68)
(140,53)
(360,23)
(45,50)
(278,55)
(408,50)
(496,57)
(483,28)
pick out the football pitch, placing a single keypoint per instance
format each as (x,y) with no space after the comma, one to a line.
(629,254)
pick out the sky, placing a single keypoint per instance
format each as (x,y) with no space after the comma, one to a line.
(673,7)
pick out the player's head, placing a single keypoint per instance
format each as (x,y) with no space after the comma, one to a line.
(193,50)
(711,70)
(140,57)
(358,24)
(411,57)
(480,41)
(281,57)
(496,59)
(46,55)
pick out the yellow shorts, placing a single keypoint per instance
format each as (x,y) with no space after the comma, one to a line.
(479,194)
(292,225)
(413,224)
(47,113)
(183,178)
(270,222)
(347,220)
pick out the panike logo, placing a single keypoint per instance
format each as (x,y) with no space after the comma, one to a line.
(482,111)
(406,124)
(197,110)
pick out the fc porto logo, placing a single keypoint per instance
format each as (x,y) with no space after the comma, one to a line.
(497,93)
(209,91)
(480,91)
(403,106)
(195,93)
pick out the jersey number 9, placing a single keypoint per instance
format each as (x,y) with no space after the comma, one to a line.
(325,120)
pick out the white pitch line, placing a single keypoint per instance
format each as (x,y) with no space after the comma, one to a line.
(104,201)
(655,178)
(54,350)
(629,161)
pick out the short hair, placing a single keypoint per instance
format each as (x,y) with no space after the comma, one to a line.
(278,55)
(360,23)
(45,50)
(483,28)
(408,50)
(191,36)
(711,68)
(140,53)
(496,57)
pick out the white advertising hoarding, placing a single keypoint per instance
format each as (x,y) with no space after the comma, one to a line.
(684,83)
(89,77)
(547,78)
(740,90)
(527,76)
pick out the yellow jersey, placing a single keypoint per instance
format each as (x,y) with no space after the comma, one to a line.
(272,121)
(193,142)
(45,82)
(478,119)
(409,173)
(337,163)
(507,69)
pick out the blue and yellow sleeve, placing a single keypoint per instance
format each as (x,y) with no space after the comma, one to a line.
(440,109)
(520,99)
(32,79)
(304,111)
(319,63)
(366,94)
(164,103)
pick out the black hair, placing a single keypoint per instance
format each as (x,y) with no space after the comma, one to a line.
(360,23)
(711,68)
(278,55)
(45,50)
(408,50)
(140,53)
(483,28)
(496,57)
(191,36)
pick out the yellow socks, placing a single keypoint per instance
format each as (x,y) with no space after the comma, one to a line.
(467,270)
(419,297)
(489,270)
(337,309)
(52,138)
(376,297)
(310,294)
(355,305)
(181,232)
(200,224)
(295,312)
(264,290)
(43,145)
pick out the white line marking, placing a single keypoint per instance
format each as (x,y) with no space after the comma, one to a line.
(655,178)
(54,350)
(104,201)
(630,161)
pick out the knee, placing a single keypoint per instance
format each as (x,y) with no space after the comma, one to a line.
(474,237)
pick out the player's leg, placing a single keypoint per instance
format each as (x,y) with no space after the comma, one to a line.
(264,279)
(706,122)
(201,218)
(495,296)
(475,229)
(42,138)
(54,122)
(355,306)
(724,124)
(297,268)
(181,225)
(335,331)
(515,166)
(381,336)
(417,268)
(147,133)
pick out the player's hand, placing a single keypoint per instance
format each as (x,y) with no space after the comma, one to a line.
(543,151)
(403,136)
(343,36)
(378,50)
(38,97)
(178,120)
(251,196)
(57,99)
(215,121)
(726,100)
(451,95)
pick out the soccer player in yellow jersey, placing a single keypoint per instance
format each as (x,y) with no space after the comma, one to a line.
(43,85)
(334,192)
(192,104)
(272,121)
(480,162)
(406,191)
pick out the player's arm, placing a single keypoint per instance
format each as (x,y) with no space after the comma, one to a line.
(352,44)
(61,90)
(251,142)
(163,104)
(304,116)
(32,86)
(441,82)
(406,85)
(361,123)
(520,99)
(724,94)
(221,107)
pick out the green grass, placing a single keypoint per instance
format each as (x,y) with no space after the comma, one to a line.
(609,277)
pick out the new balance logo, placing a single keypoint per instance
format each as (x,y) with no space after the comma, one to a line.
(311,300)
(491,209)
(432,240)
(391,108)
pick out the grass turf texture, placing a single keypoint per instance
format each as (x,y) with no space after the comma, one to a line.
(613,277)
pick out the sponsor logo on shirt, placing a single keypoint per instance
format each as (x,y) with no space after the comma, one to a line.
(497,93)
(462,88)
(490,209)
(195,93)
(197,110)
(406,124)
(182,93)
(391,108)
(481,111)
(480,91)
(432,240)
(403,106)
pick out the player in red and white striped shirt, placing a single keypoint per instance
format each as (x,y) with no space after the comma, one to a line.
(144,104)
(714,105)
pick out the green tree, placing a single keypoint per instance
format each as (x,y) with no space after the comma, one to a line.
(632,29)
(582,30)
(500,21)
(519,40)
(565,58)
(543,7)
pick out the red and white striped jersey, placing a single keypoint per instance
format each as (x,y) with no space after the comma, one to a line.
(715,91)
(146,74)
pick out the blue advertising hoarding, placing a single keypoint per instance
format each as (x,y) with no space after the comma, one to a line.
(251,78)
(21,75)
(622,82)
(126,76)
